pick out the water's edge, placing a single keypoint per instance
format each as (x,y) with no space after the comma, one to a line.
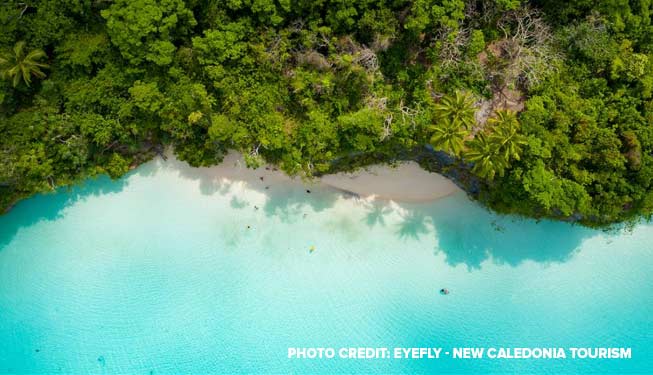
(172,270)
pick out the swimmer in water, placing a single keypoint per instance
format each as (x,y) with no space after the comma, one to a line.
(444,291)
(311,249)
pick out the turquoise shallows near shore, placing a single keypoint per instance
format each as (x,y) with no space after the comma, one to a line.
(159,273)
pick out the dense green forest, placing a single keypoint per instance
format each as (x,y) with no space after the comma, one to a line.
(546,105)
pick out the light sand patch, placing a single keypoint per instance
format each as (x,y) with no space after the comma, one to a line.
(407,182)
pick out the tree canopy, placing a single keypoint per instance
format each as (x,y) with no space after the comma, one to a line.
(547,105)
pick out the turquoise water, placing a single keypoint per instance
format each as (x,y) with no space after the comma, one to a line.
(158,273)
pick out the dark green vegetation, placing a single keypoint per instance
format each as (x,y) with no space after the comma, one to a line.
(545,104)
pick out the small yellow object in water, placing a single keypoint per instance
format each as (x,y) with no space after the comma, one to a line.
(312,248)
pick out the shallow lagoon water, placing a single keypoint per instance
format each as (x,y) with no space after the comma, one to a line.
(158,273)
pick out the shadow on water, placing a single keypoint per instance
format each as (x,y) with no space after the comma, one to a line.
(376,215)
(469,234)
(285,200)
(414,225)
(52,205)
(465,232)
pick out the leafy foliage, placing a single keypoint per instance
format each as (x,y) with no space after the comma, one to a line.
(19,66)
(458,108)
(146,29)
(449,136)
(548,104)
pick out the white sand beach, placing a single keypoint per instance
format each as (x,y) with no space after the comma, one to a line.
(407,182)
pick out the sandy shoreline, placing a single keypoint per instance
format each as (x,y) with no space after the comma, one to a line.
(407,182)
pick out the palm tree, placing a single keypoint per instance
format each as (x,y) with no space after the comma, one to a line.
(459,107)
(16,64)
(506,135)
(486,156)
(448,136)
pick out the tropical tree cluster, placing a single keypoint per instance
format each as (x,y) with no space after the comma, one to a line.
(548,104)
(489,150)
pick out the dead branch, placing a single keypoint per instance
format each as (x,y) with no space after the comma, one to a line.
(367,59)
(527,46)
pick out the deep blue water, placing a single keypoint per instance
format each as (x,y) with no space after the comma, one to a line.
(158,273)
